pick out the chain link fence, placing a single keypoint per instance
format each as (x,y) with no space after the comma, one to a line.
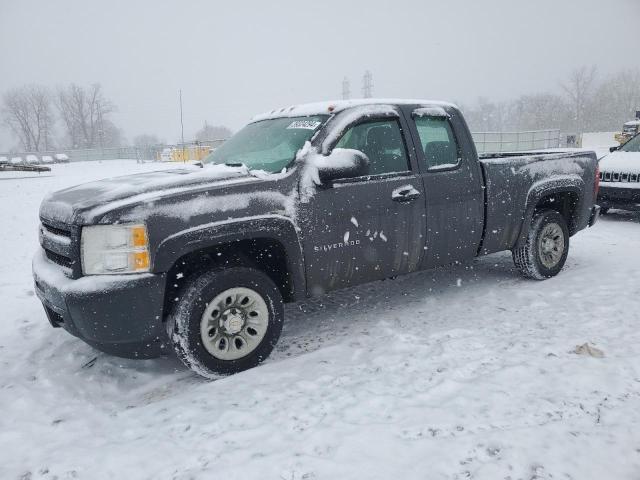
(144,153)
(497,142)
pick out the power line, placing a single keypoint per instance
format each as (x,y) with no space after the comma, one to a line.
(346,89)
(367,84)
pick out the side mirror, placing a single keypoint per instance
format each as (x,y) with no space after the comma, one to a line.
(342,163)
(613,149)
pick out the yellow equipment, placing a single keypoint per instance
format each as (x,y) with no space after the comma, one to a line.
(184,153)
(629,130)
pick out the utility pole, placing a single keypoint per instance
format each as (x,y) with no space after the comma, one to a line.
(182,128)
(367,84)
(346,89)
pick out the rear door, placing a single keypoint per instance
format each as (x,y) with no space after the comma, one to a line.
(367,228)
(452,185)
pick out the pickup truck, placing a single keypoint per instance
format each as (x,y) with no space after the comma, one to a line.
(303,200)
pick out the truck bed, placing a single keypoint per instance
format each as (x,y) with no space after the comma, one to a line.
(513,179)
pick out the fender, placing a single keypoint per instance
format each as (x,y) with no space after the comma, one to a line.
(276,227)
(544,188)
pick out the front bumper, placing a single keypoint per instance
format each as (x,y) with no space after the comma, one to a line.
(621,196)
(118,314)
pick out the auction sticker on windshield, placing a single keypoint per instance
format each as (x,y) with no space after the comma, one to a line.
(305,124)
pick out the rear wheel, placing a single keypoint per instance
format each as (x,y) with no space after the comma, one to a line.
(545,250)
(226,321)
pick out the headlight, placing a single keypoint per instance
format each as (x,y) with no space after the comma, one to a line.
(112,249)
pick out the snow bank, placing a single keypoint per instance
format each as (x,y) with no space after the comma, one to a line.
(599,140)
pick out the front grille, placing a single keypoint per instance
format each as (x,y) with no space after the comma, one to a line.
(60,245)
(625,177)
(57,231)
(59,259)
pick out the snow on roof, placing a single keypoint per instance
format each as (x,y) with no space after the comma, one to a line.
(632,123)
(334,106)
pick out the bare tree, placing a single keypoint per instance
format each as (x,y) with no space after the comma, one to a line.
(538,112)
(85,113)
(28,114)
(618,99)
(212,132)
(579,89)
(488,116)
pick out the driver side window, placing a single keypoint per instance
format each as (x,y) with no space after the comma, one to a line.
(382,142)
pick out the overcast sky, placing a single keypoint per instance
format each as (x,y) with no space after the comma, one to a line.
(235,59)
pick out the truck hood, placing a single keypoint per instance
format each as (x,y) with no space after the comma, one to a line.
(76,204)
(621,162)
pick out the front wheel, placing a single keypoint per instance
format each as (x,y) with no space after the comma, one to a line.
(226,321)
(545,250)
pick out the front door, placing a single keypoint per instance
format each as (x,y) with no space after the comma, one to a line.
(362,229)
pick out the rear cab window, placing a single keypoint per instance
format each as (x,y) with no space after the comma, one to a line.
(437,140)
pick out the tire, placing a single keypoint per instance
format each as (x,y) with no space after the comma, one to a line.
(604,210)
(545,250)
(209,332)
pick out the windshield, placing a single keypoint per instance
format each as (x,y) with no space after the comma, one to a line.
(269,145)
(632,145)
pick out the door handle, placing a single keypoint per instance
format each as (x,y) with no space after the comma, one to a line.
(405,193)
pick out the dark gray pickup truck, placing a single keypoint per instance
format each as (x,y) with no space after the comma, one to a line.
(301,201)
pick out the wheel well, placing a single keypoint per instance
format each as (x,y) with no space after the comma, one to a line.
(264,254)
(565,203)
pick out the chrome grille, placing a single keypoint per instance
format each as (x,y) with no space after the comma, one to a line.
(619,177)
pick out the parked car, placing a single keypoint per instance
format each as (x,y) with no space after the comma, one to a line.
(32,160)
(620,177)
(301,201)
(16,160)
(47,159)
(61,158)
(4,160)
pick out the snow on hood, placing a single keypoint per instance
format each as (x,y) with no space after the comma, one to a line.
(103,195)
(621,162)
(208,204)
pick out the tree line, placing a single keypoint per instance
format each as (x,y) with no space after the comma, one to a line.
(32,112)
(585,102)
(73,116)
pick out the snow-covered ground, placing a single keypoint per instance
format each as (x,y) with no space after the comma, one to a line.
(462,372)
